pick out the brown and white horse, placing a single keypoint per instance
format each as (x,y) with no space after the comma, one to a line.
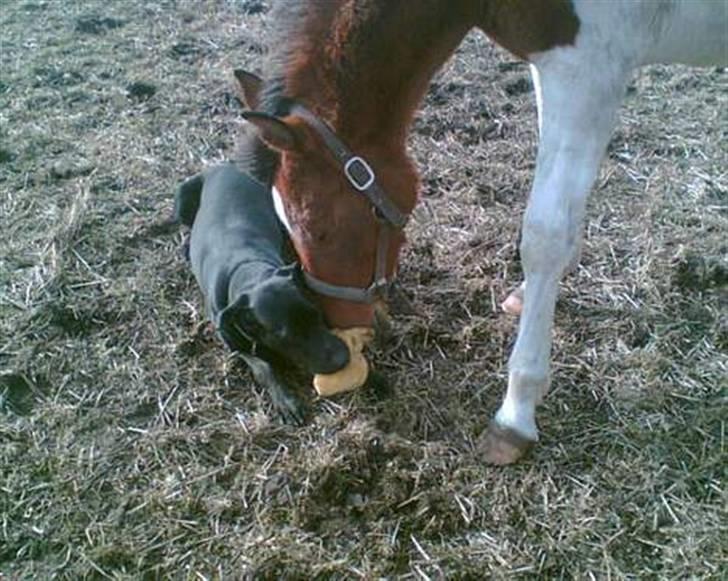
(357,69)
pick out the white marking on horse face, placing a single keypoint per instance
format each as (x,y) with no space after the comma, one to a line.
(281,210)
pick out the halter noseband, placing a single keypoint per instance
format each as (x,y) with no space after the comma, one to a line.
(362,178)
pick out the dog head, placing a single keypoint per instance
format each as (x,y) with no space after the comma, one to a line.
(280,317)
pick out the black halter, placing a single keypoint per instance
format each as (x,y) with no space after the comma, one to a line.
(362,178)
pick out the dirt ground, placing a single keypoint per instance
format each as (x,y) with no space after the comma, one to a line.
(132,446)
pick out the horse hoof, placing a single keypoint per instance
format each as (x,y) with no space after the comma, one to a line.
(513,305)
(502,446)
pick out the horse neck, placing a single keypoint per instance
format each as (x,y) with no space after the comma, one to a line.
(372,71)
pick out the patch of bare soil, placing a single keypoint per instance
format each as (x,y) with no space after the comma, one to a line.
(133,446)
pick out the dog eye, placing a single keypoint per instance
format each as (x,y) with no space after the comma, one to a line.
(281,331)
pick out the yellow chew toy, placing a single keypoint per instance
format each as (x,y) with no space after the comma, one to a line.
(353,375)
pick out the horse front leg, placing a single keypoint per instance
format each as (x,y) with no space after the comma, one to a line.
(577,109)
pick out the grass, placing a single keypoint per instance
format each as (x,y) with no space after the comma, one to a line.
(133,446)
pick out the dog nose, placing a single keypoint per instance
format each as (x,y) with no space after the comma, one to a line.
(335,355)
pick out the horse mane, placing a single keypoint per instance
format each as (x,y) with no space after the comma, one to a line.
(288,19)
(254,158)
(348,58)
(318,47)
(325,32)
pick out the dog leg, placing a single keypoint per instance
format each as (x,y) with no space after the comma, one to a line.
(288,405)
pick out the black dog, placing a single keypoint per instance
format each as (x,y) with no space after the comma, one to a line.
(253,298)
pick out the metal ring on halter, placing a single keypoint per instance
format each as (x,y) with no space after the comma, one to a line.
(350,161)
(358,162)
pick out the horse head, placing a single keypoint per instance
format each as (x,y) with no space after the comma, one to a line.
(348,244)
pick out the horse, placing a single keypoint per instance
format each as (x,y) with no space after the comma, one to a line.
(340,88)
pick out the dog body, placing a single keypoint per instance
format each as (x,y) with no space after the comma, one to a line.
(252,296)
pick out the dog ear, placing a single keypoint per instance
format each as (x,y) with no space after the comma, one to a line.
(248,88)
(238,326)
(187,200)
(277,132)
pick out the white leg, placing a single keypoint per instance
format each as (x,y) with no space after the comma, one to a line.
(513,305)
(578,104)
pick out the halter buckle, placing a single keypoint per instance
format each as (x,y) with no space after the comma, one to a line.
(380,288)
(359,173)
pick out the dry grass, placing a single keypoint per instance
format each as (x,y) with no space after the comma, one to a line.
(132,446)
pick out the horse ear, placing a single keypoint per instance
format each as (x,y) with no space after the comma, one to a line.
(273,130)
(249,86)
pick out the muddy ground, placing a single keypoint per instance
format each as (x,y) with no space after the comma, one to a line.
(132,446)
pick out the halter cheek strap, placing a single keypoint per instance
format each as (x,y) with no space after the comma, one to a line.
(363,179)
(379,288)
(357,171)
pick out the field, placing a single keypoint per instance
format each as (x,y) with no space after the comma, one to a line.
(133,446)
